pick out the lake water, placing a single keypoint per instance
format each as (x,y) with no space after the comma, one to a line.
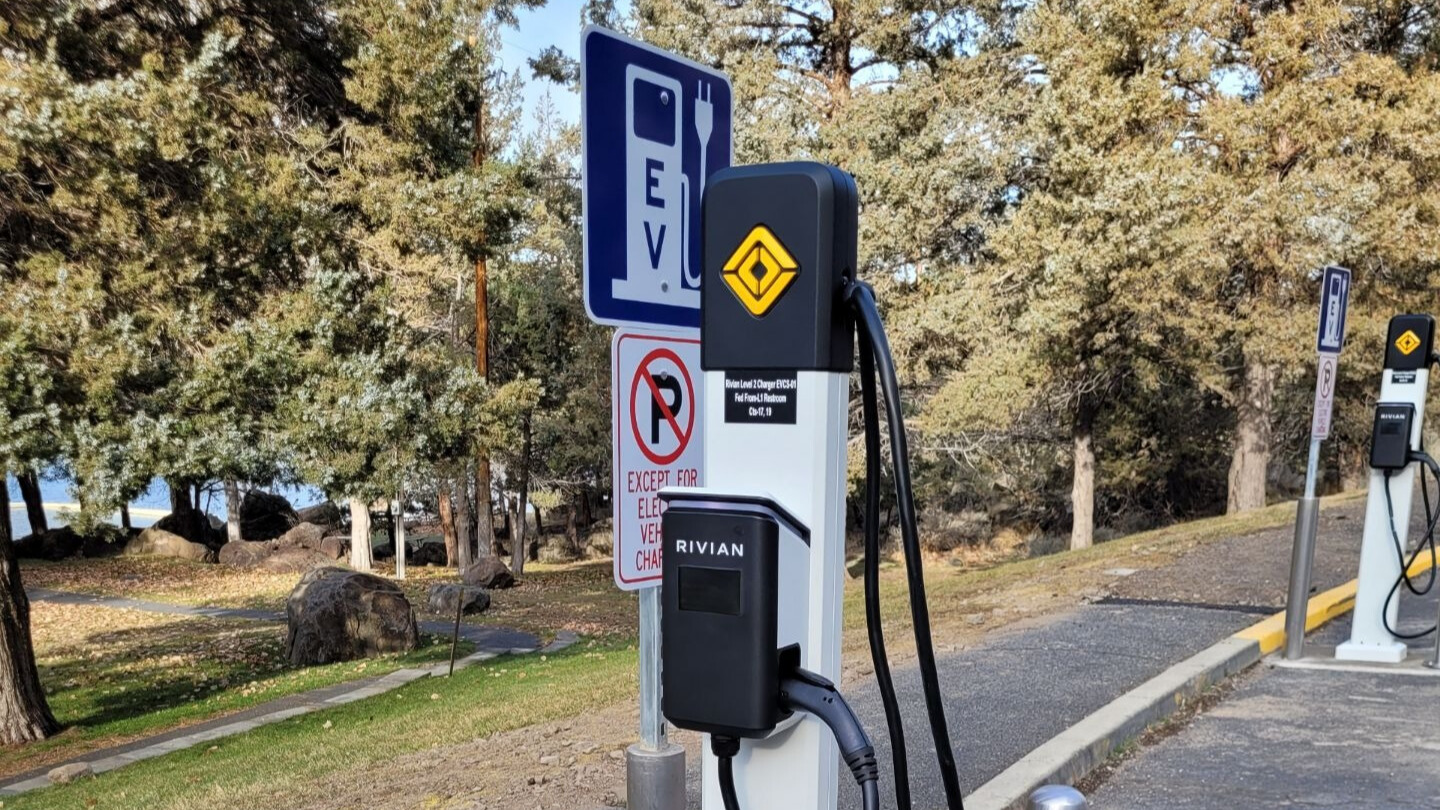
(157,497)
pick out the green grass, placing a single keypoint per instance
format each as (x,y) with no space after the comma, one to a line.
(109,684)
(274,764)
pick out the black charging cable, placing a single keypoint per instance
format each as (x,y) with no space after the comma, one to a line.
(1431,518)
(804,691)
(874,342)
(873,622)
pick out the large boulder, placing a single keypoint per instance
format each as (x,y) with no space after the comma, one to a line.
(56,544)
(106,541)
(155,542)
(445,599)
(339,615)
(304,535)
(490,573)
(294,560)
(335,546)
(209,529)
(427,554)
(247,553)
(265,517)
(325,514)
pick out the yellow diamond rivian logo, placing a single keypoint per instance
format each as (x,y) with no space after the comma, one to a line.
(1407,342)
(759,271)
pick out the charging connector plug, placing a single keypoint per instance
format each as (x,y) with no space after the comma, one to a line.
(804,691)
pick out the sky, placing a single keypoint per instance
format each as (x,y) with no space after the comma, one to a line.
(556,23)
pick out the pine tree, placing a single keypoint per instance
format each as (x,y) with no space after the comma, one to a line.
(1313,121)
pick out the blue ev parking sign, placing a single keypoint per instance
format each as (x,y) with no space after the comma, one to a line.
(655,126)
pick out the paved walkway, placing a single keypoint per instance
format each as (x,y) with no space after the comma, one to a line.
(490,642)
(1026,684)
(1309,734)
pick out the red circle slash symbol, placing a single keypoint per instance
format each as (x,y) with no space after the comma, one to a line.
(663,409)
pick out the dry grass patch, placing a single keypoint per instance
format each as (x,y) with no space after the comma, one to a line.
(574,596)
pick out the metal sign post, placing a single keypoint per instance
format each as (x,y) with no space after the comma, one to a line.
(654,127)
(1334,305)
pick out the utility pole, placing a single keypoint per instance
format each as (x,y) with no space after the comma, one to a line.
(484,517)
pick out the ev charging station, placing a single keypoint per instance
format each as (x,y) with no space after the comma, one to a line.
(1396,453)
(754,562)
(740,631)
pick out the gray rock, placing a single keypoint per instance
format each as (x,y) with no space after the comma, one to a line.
(445,598)
(428,554)
(339,615)
(55,544)
(295,560)
(69,773)
(246,553)
(326,514)
(335,546)
(304,535)
(206,528)
(265,517)
(155,542)
(490,573)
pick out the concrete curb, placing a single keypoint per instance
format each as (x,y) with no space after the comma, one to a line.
(1074,753)
(1270,633)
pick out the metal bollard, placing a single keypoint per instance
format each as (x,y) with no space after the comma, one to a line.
(1058,797)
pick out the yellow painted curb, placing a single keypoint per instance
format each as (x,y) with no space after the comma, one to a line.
(1270,633)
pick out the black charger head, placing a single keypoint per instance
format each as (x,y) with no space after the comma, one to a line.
(720,671)
(1390,440)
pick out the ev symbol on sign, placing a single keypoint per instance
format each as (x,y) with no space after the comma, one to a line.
(662,387)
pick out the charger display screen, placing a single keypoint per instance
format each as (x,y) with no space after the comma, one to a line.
(710,590)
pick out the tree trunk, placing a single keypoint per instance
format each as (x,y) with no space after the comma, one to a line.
(7,530)
(34,502)
(518,531)
(1354,463)
(1082,486)
(361,556)
(1251,457)
(484,517)
(179,498)
(187,511)
(24,713)
(484,508)
(517,535)
(447,524)
(465,549)
(125,517)
(232,511)
(398,518)
(572,528)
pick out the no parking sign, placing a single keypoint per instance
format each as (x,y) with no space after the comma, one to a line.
(656,391)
